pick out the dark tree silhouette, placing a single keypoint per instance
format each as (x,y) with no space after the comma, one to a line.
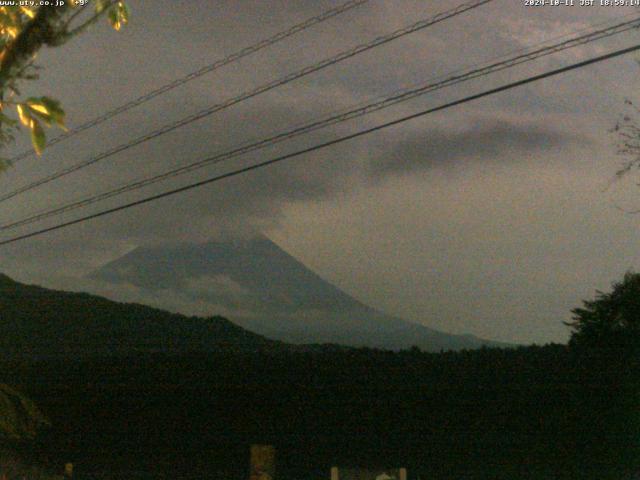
(606,338)
(612,319)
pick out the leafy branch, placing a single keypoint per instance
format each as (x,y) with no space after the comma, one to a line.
(23,32)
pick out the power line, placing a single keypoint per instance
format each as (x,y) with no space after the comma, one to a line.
(320,146)
(234,57)
(422,24)
(397,97)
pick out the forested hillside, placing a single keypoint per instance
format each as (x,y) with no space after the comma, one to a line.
(535,412)
(38,322)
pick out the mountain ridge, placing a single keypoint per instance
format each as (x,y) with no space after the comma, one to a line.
(38,322)
(274,294)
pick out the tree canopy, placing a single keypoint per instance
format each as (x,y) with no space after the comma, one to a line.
(24,30)
(611,319)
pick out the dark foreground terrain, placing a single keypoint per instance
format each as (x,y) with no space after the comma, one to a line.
(534,412)
(132,391)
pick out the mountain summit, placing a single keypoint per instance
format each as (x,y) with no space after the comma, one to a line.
(264,289)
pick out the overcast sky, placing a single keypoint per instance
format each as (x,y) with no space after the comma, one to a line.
(493,218)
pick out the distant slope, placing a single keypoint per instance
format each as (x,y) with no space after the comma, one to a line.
(38,322)
(270,292)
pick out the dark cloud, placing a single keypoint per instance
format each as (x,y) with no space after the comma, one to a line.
(486,141)
(548,138)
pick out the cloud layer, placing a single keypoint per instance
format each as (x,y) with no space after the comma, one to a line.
(489,218)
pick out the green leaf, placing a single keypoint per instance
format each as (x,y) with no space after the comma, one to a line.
(101,5)
(55,112)
(119,15)
(125,12)
(114,18)
(38,137)
(24,114)
(48,109)
(45,117)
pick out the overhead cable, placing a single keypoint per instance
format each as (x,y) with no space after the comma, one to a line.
(323,145)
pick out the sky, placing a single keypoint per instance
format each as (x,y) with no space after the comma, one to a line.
(493,218)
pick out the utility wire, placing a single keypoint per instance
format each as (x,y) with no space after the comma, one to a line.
(398,97)
(422,24)
(234,57)
(320,146)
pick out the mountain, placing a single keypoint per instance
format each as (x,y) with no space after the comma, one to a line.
(37,322)
(264,289)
